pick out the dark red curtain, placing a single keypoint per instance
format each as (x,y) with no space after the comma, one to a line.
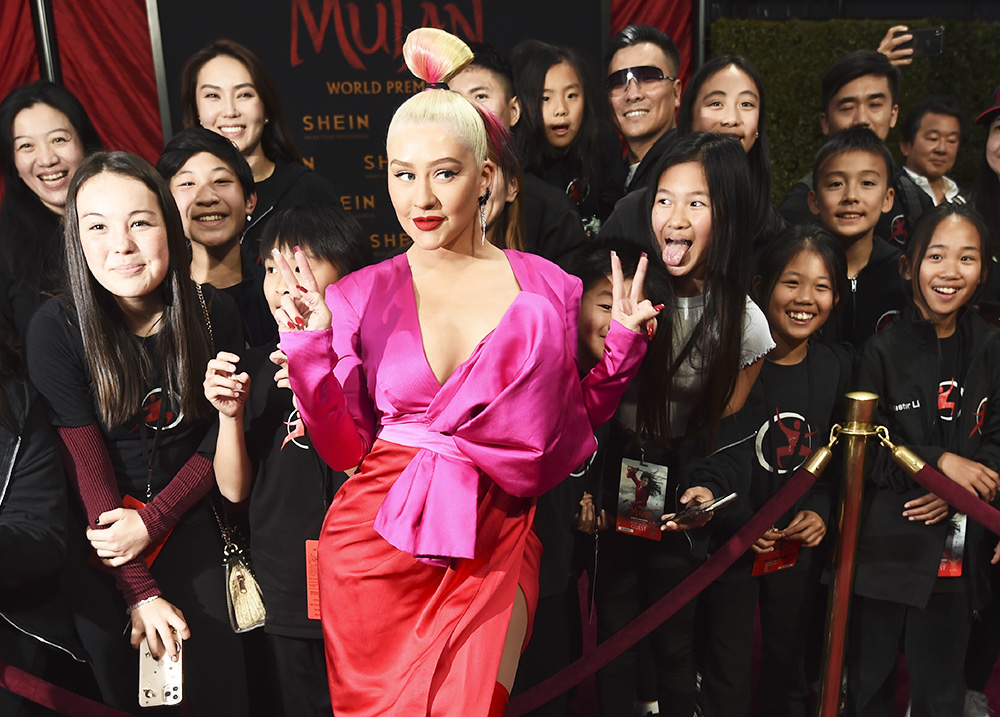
(673,17)
(106,59)
(17,46)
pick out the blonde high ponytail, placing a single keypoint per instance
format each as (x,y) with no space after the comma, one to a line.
(436,56)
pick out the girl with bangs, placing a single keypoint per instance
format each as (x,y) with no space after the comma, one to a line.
(559,135)
(798,280)
(707,352)
(935,372)
(726,95)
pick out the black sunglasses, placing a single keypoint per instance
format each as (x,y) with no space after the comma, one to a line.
(643,76)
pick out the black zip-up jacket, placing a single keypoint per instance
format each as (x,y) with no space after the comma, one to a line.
(898,559)
(874,296)
(33,517)
(643,175)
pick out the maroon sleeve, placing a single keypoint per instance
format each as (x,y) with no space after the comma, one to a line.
(191,484)
(89,469)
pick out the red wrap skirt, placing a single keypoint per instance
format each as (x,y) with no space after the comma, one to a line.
(407,638)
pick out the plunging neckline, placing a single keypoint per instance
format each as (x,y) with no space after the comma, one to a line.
(412,299)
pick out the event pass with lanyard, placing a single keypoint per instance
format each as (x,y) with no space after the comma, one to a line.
(642,489)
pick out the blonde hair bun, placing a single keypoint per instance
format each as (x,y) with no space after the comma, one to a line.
(434,55)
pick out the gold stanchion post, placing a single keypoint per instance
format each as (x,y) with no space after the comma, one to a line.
(854,433)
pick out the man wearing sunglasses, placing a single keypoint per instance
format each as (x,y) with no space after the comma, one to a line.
(644,94)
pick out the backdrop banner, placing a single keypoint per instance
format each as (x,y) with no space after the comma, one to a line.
(339,71)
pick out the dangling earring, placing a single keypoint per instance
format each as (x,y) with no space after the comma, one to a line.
(482,213)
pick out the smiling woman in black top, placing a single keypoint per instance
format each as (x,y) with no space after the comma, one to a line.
(44,135)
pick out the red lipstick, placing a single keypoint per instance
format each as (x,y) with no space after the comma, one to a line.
(426,224)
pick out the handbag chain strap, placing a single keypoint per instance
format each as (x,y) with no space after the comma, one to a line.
(223,527)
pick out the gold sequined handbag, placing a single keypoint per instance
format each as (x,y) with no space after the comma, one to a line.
(243,595)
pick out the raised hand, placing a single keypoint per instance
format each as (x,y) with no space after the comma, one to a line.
(303,307)
(889,44)
(225,389)
(632,311)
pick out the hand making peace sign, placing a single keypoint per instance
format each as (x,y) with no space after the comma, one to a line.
(632,311)
(302,307)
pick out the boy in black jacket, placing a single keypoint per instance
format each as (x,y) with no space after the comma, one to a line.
(851,178)
(264,452)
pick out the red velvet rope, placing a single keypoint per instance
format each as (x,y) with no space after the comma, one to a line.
(665,607)
(959,498)
(48,695)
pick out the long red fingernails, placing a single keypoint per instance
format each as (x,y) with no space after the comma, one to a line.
(658,307)
(291,325)
(299,321)
(650,331)
(303,289)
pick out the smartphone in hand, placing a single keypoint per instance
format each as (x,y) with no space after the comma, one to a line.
(696,510)
(927,41)
(160,681)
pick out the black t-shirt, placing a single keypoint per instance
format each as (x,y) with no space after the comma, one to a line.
(793,411)
(790,409)
(291,491)
(60,371)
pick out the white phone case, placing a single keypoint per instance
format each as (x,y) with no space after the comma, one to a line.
(160,681)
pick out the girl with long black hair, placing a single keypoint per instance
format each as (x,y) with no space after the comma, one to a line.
(120,360)
(706,354)
(559,134)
